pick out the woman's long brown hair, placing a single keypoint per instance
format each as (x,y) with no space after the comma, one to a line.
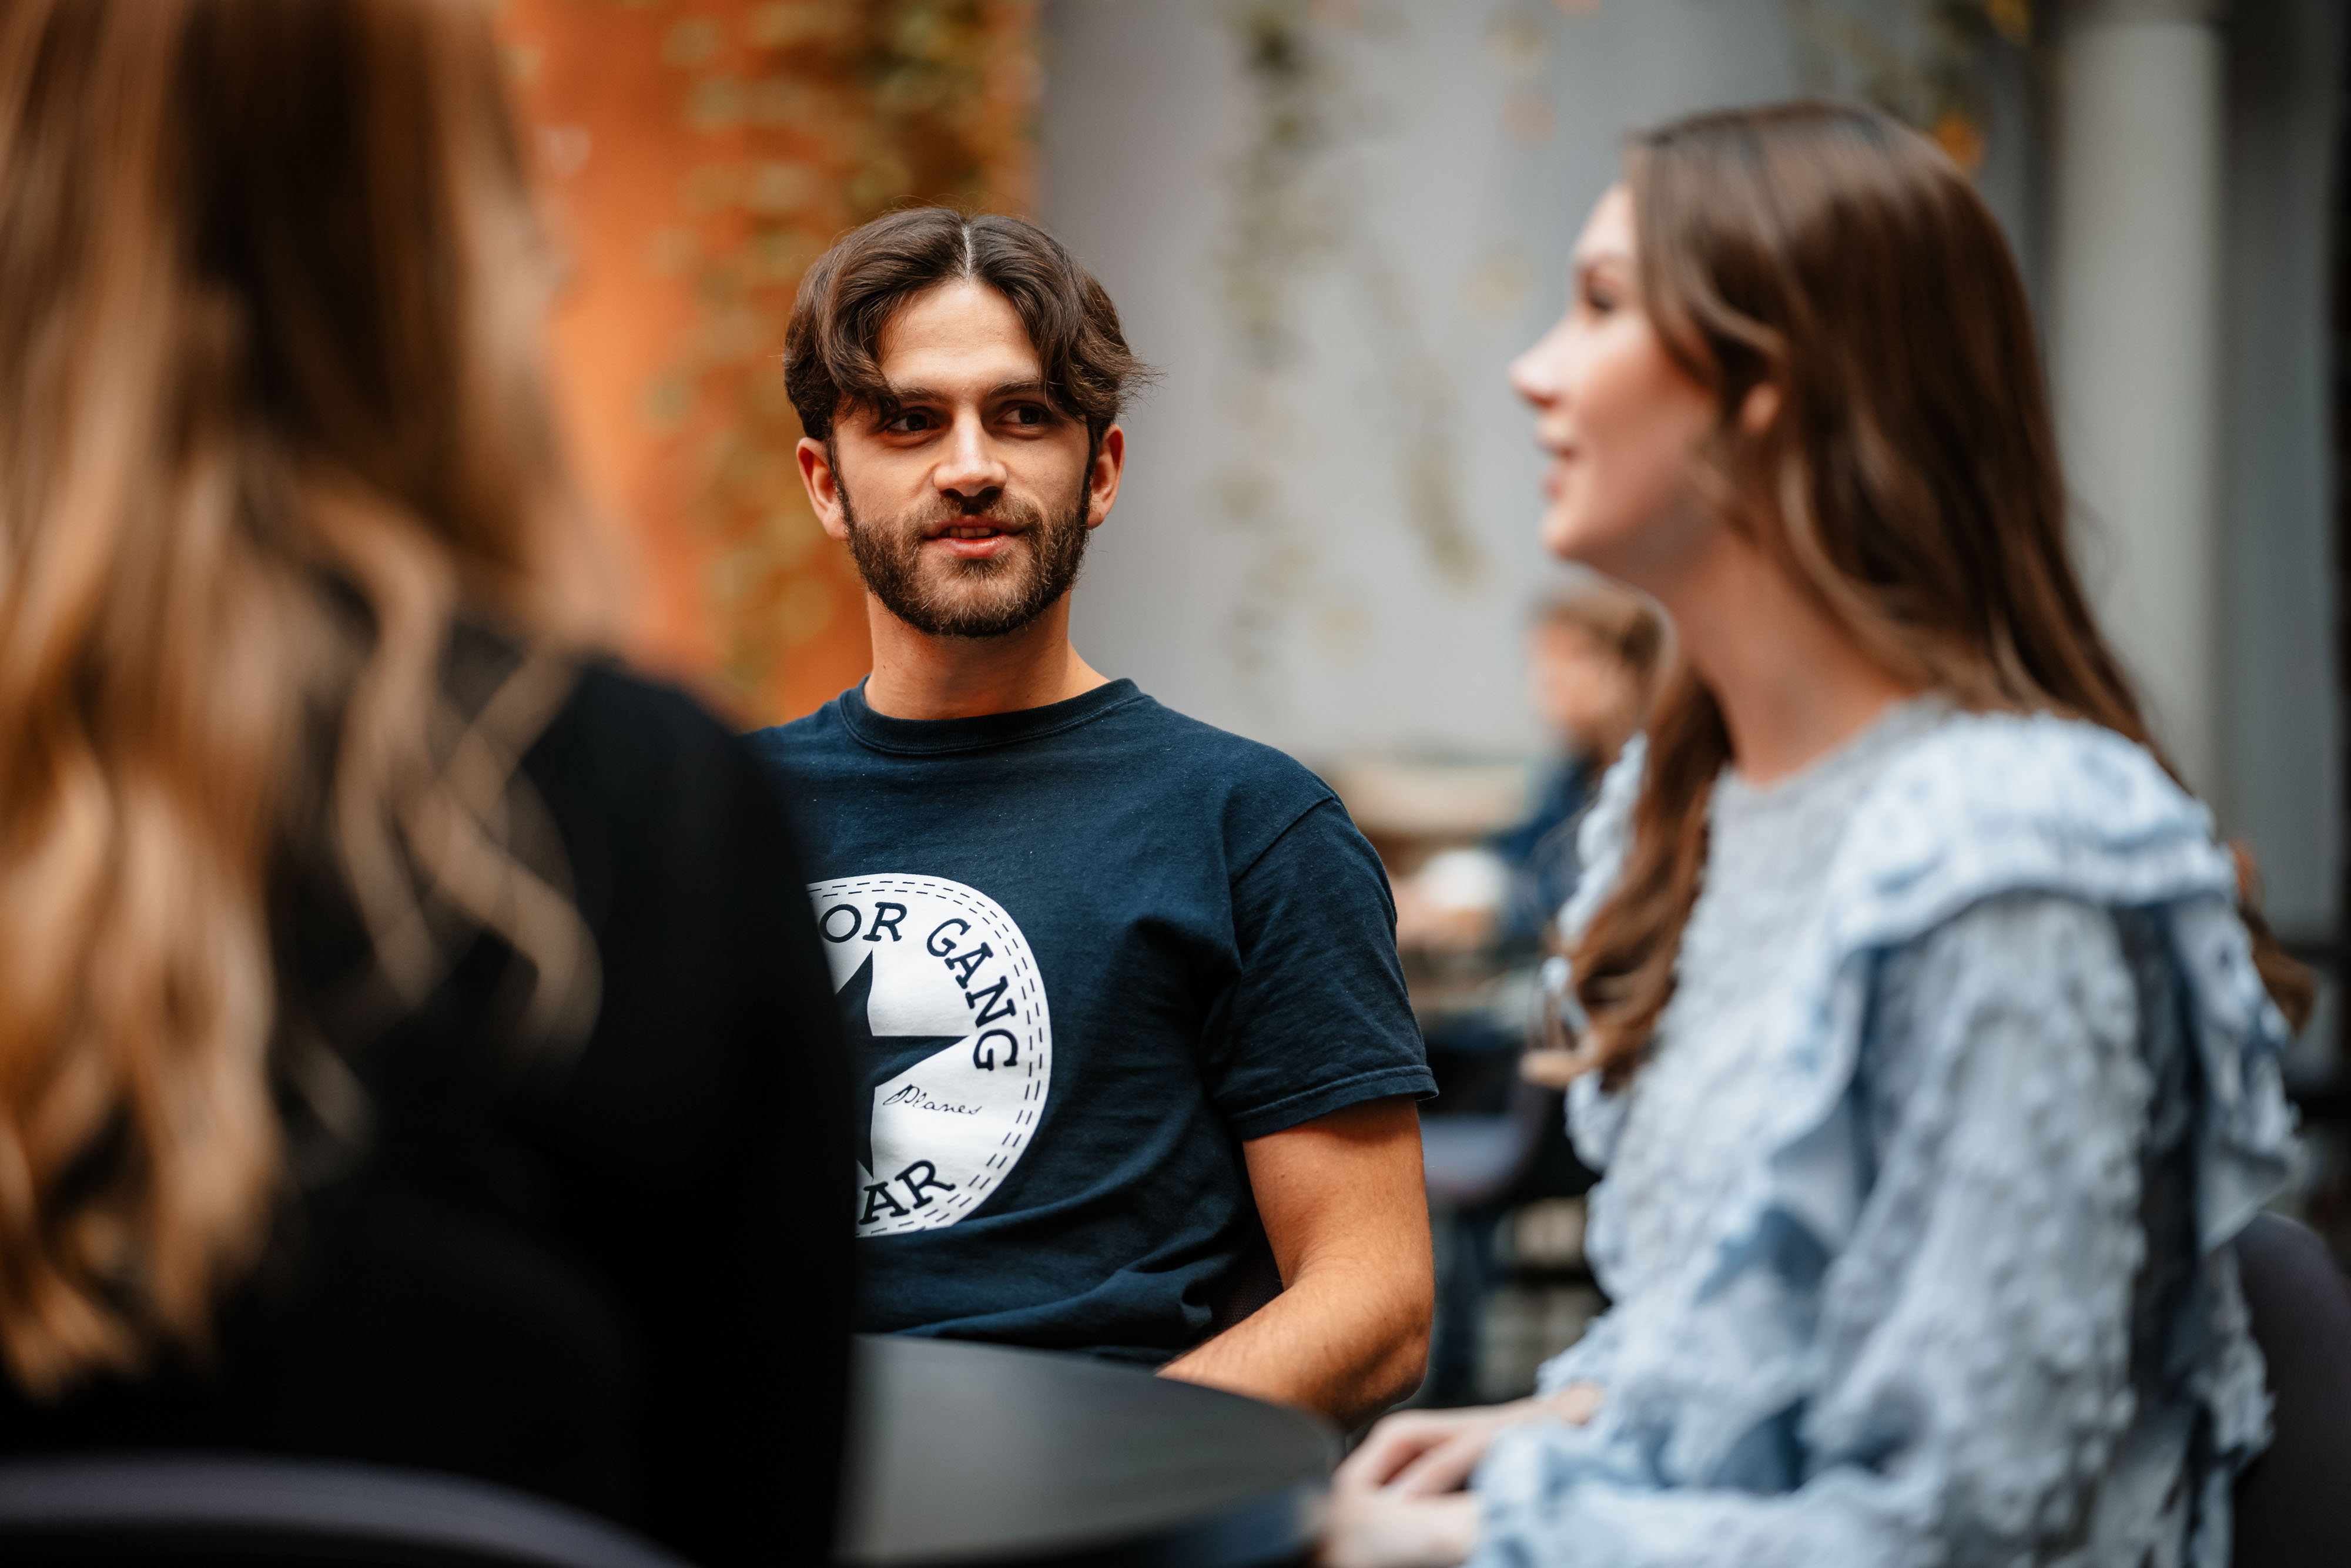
(271,289)
(1910,481)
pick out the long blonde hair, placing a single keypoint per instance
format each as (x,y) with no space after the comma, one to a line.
(271,287)
(1912,477)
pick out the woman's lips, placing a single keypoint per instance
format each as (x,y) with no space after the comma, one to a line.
(1554,477)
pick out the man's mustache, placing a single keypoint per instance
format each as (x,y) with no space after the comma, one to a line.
(1004,513)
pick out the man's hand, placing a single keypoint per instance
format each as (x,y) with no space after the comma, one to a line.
(1343,1205)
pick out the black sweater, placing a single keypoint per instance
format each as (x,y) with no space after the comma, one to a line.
(619,1278)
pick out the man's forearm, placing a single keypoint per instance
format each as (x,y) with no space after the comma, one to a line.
(1343,1343)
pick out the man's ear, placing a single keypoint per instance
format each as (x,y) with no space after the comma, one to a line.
(823,486)
(1101,478)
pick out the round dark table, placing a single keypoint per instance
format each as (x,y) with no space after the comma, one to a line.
(965,1453)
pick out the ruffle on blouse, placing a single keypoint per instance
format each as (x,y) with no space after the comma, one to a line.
(1984,805)
(1716,1350)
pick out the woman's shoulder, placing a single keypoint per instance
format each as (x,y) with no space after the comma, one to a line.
(1983,804)
(608,699)
(635,748)
(656,802)
(1970,807)
(2036,772)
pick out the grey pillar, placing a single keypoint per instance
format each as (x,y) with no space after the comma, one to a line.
(2135,343)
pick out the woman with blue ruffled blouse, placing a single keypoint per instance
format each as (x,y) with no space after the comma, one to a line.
(1932,1061)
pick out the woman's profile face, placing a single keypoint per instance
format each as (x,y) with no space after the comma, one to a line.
(1620,420)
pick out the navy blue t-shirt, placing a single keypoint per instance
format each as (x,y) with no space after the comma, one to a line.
(1082,951)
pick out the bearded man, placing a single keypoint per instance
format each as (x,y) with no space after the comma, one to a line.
(1135,1071)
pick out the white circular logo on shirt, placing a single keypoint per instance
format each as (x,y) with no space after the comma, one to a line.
(950,1045)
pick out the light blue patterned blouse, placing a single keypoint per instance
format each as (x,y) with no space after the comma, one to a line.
(1914,1218)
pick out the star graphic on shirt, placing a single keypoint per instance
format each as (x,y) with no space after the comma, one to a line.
(878,1058)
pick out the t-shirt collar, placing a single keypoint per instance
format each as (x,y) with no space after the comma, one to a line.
(930,736)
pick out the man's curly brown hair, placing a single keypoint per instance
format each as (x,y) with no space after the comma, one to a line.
(850,295)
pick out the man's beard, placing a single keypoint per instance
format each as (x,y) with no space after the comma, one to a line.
(991,598)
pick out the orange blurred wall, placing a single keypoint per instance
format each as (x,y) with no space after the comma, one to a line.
(699,155)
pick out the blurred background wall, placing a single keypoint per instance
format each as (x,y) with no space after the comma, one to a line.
(1333,224)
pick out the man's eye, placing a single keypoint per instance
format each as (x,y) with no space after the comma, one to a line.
(1029,413)
(909,422)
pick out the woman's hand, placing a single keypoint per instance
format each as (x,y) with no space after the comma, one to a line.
(1373,1528)
(1420,1453)
(1397,1500)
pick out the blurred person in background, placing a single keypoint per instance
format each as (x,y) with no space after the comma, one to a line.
(413,1046)
(1931,1059)
(1135,1066)
(1592,656)
(1483,915)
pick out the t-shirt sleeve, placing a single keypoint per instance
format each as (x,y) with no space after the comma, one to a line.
(1318,1018)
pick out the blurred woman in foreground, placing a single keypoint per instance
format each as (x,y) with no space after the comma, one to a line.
(1929,1058)
(412,1042)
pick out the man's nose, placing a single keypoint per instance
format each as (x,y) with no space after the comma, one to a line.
(971,468)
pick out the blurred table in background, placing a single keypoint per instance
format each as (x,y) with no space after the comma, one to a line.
(974,1453)
(1414,811)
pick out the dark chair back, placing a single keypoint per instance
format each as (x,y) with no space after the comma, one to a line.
(170,1509)
(2293,1503)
